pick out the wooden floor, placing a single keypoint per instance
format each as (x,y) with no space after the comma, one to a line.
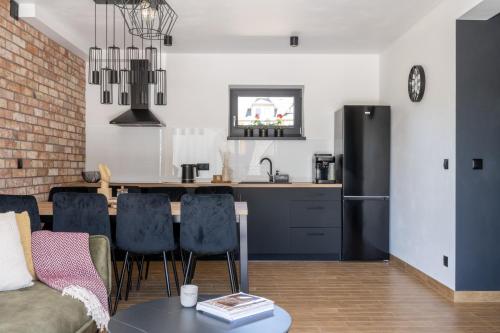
(341,297)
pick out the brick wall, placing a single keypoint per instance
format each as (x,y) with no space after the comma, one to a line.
(42,110)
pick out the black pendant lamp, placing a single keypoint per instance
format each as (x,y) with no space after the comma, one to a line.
(131,54)
(106,86)
(151,56)
(161,85)
(124,84)
(113,54)
(95,55)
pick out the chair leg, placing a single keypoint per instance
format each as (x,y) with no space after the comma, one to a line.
(140,265)
(147,269)
(113,262)
(187,272)
(120,283)
(235,273)
(129,278)
(181,254)
(193,269)
(174,267)
(167,277)
(230,269)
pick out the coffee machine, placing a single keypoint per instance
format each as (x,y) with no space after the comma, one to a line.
(323,169)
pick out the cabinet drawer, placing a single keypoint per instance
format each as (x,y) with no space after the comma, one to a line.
(317,214)
(315,240)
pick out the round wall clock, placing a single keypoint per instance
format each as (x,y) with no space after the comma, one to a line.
(416,83)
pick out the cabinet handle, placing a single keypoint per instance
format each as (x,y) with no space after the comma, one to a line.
(315,234)
(316,208)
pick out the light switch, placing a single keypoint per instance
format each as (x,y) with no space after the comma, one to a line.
(446,164)
(477,164)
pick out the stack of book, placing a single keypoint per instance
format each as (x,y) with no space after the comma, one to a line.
(237,307)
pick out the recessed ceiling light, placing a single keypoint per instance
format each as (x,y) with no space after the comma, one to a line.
(294,41)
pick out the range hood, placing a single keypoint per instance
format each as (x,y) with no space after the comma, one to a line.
(139,115)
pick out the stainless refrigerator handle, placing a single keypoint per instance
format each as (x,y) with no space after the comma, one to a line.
(368,197)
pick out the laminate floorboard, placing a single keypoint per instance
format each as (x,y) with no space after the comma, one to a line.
(339,297)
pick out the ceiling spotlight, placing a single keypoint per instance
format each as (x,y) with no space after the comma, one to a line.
(168,40)
(294,41)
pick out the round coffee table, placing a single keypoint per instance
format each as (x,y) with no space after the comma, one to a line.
(167,315)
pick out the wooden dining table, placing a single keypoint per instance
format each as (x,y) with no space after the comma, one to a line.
(45,209)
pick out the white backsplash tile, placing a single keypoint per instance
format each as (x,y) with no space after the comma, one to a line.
(204,145)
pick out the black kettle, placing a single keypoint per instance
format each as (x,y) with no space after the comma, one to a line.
(188,172)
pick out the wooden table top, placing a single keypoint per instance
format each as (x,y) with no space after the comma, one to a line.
(45,208)
(202,184)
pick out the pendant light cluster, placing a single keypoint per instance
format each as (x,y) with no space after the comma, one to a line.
(147,19)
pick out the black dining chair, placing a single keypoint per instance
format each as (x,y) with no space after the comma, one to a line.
(144,226)
(208,227)
(175,194)
(19,204)
(83,212)
(214,190)
(72,189)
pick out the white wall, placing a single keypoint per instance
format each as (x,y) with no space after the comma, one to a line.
(423,134)
(198,107)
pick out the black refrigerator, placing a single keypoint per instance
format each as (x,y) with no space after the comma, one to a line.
(362,165)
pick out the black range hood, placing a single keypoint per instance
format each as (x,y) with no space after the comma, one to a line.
(139,115)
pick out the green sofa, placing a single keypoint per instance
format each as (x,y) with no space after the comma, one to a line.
(40,309)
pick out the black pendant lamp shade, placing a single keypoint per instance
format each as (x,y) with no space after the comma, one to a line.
(151,55)
(95,56)
(124,88)
(106,85)
(95,63)
(113,56)
(161,87)
(113,63)
(131,54)
(149,19)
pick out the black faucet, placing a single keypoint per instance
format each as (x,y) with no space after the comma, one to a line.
(270,172)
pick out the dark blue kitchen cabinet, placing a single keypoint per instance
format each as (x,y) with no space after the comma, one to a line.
(293,223)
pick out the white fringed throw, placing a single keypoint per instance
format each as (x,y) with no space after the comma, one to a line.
(62,261)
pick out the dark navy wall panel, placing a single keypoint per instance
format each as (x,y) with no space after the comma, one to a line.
(478,137)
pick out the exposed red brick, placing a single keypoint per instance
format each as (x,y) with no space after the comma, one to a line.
(42,110)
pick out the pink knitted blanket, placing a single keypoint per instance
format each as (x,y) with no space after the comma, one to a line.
(62,261)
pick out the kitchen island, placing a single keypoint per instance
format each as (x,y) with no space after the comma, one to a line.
(295,221)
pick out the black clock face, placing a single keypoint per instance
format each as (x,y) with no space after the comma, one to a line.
(416,83)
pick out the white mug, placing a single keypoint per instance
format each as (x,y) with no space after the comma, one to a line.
(189,295)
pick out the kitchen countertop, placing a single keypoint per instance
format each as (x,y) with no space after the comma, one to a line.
(199,184)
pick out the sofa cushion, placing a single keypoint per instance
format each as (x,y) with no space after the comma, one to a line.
(14,273)
(40,309)
(24,226)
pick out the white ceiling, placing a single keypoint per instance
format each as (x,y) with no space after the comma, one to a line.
(259,26)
